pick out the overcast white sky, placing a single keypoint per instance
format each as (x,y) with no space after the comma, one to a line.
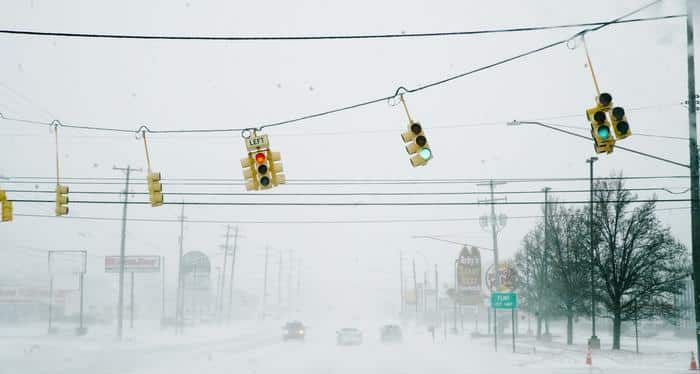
(196,85)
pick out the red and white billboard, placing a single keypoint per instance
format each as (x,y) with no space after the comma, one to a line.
(133,264)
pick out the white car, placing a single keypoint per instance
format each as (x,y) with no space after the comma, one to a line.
(349,336)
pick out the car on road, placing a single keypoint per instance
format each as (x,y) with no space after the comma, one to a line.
(294,330)
(391,333)
(349,336)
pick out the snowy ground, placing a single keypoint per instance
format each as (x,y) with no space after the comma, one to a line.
(255,347)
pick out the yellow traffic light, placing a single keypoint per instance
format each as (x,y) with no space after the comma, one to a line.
(6,207)
(6,210)
(417,145)
(619,123)
(155,189)
(276,168)
(61,200)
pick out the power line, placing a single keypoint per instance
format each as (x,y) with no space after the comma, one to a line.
(333,181)
(346,204)
(401,90)
(316,194)
(325,37)
(367,221)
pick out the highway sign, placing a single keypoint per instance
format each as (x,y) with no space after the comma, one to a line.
(504,300)
(133,264)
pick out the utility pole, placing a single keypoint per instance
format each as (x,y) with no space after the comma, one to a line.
(415,286)
(496,270)
(222,285)
(593,342)
(289,279)
(279,283)
(233,269)
(456,295)
(299,282)
(401,281)
(180,308)
(131,303)
(694,183)
(264,303)
(437,301)
(546,190)
(162,296)
(122,250)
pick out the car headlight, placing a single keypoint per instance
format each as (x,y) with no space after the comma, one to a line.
(301,332)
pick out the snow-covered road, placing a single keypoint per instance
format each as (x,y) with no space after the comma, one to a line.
(258,349)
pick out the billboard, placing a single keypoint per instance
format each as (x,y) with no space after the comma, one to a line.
(133,264)
(196,269)
(469,269)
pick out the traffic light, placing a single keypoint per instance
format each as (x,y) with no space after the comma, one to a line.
(276,168)
(262,170)
(417,145)
(619,123)
(249,173)
(61,200)
(155,189)
(6,207)
(6,210)
(600,126)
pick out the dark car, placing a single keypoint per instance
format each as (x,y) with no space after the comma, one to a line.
(294,330)
(391,333)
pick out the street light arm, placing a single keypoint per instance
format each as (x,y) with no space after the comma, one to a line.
(516,123)
(450,241)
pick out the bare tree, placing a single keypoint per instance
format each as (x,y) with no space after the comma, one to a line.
(639,264)
(568,242)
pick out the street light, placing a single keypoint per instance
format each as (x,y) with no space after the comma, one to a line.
(593,342)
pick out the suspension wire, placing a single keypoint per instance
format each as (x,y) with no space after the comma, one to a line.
(399,91)
(429,193)
(145,146)
(410,120)
(590,65)
(324,37)
(55,131)
(355,204)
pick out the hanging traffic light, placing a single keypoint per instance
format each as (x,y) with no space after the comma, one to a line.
(61,200)
(6,207)
(155,189)
(619,123)
(417,145)
(261,169)
(600,126)
(6,210)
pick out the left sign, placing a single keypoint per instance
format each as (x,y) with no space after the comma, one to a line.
(133,264)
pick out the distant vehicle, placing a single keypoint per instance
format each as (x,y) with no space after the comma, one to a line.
(391,333)
(349,336)
(294,330)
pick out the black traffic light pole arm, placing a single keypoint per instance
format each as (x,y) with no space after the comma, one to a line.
(450,241)
(516,123)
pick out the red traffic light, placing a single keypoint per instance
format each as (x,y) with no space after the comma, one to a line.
(260,157)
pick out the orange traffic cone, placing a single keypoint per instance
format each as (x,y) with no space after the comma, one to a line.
(693,363)
(589,359)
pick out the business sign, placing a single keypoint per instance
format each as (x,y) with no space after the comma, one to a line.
(469,269)
(133,264)
(507,277)
(67,262)
(30,295)
(501,300)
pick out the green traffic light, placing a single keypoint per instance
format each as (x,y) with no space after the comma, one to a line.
(603,132)
(425,154)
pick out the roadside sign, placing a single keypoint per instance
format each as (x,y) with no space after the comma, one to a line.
(507,277)
(504,300)
(257,142)
(133,264)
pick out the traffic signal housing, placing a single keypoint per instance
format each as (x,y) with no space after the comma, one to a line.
(249,173)
(5,207)
(619,123)
(155,189)
(276,168)
(417,145)
(61,200)
(600,126)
